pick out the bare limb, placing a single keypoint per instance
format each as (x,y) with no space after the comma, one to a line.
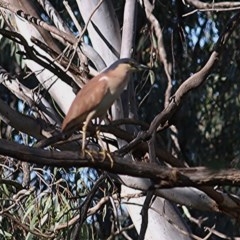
(213,5)
(144,213)
(161,48)
(165,177)
(21,122)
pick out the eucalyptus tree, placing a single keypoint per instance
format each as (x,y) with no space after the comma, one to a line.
(180,114)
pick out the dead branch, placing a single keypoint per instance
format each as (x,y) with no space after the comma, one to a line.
(162,176)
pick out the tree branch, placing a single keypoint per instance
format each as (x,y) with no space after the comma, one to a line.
(213,5)
(162,176)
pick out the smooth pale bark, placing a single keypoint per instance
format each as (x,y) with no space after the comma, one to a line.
(164,221)
(187,196)
(103,29)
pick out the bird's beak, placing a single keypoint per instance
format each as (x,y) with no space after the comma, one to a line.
(142,67)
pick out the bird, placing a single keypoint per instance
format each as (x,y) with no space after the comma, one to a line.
(97,95)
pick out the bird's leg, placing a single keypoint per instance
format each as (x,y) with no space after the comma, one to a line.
(89,154)
(84,130)
(105,150)
(101,143)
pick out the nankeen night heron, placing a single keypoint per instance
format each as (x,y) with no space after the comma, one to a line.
(97,96)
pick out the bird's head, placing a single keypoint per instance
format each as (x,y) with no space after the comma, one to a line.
(132,65)
(127,65)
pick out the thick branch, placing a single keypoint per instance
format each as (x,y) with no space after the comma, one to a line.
(162,176)
(21,122)
(212,5)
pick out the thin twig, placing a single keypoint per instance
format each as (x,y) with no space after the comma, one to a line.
(71,14)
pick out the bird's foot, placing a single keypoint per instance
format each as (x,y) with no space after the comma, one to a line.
(105,155)
(86,152)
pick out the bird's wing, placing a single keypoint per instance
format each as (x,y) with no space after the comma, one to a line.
(86,100)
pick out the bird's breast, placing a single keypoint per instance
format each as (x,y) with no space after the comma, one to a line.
(105,104)
(115,86)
